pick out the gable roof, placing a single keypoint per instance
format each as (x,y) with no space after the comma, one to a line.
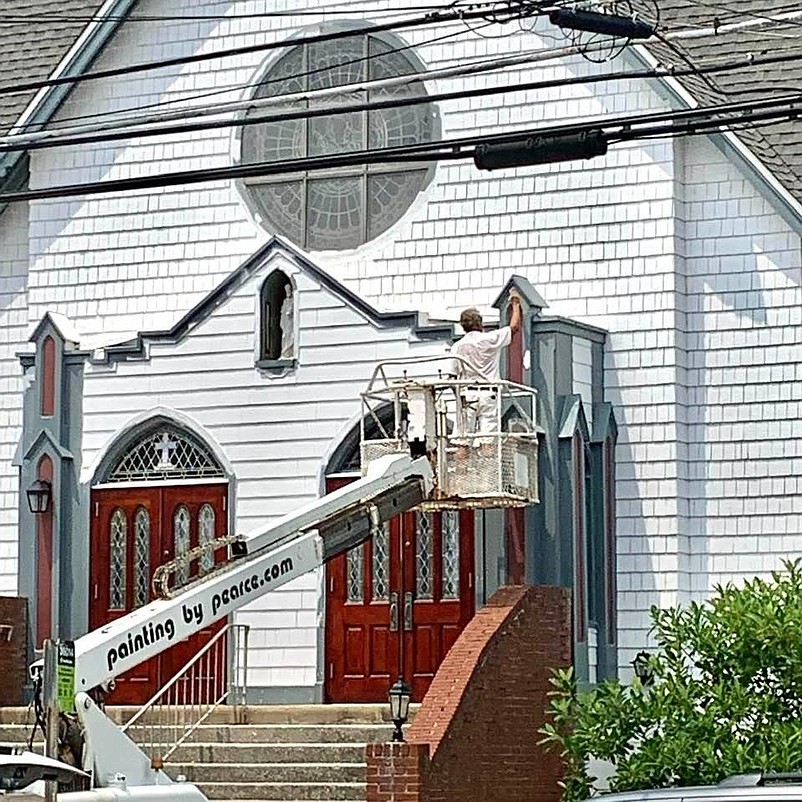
(45,39)
(415,321)
(39,49)
(749,27)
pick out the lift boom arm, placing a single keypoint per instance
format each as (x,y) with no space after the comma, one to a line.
(277,554)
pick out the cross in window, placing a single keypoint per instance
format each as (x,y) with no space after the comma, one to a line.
(166,446)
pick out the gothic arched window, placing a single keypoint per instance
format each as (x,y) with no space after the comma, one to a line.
(277,336)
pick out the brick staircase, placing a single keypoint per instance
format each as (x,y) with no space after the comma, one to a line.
(274,752)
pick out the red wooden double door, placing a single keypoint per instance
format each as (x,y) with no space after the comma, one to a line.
(134,530)
(396,604)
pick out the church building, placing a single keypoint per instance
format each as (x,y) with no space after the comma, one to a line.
(184,361)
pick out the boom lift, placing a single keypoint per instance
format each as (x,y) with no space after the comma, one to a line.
(401,462)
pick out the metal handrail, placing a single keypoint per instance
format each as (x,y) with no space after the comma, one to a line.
(170,691)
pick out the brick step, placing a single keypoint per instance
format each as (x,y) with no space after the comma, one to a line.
(269,772)
(269,733)
(270,753)
(331,792)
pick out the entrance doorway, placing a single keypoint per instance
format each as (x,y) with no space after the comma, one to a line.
(396,604)
(133,531)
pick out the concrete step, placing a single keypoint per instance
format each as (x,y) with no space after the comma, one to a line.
(269,733)
(270,753)
(18,734)
(269,772)
(332,792)
(246,714)
(272,714)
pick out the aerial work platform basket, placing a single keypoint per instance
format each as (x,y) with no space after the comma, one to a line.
(480,437)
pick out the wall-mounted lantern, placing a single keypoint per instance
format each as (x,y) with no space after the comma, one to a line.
(39,495)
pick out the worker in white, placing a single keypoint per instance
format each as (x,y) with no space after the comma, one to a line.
(479,353)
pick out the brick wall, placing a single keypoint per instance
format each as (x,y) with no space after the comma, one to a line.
(476,733)
(13,649)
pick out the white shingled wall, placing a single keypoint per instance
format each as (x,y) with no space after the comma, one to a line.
(621,242)
(272,430)
(13,333)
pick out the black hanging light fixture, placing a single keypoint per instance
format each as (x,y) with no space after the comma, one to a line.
(399,696)
(643,668)
(39,496)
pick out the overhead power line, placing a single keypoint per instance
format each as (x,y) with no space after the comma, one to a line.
(675,123)
(516,10)
(56,17)
(185,98)
(411,100)
(487,65)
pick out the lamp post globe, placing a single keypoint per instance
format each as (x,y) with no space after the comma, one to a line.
(399,696)
(39,496)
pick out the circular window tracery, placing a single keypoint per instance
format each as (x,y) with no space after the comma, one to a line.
(342,208)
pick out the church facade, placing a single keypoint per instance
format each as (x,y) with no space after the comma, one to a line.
(185,362)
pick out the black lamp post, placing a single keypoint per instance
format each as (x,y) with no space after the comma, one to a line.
(643,668)
(39,496)
(399,696)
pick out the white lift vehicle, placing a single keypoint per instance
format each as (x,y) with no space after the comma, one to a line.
(394,481)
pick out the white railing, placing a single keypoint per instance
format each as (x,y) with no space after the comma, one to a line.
(215,675)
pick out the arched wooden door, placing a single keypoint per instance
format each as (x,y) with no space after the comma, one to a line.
(396,604)
(135,528)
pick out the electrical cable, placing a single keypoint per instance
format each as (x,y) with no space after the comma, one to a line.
(400,102)
(24,128)
(303,96)
(17,19)
(695,120)
(429,19)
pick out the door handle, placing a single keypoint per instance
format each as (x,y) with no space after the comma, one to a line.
(394,612)
(408,611)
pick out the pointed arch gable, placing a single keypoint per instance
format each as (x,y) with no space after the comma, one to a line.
(98,470)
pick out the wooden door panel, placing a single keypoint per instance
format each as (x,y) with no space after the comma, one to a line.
(138,684)
(159,505)
(364,655)
(193,498)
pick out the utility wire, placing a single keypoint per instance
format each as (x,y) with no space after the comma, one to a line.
(675,123)
(20,136)
(514,11)
(127,114)
(305,96)
(13,19)
(400,102)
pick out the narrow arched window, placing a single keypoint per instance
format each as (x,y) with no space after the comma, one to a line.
(206,526)
(48,386)
(141,557)
(277,319)
(118,536)
(181,543)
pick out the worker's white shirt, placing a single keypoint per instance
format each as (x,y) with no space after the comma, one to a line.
(482,350)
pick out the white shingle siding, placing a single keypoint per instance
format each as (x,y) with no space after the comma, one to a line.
(666,245)
(13,332)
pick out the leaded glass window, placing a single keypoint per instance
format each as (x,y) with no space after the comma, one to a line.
(141,557)
(355,574)
(450,542)
(118,536)
(344,207)
(424,554)
(381,563)
(166,454)
(206,521)
(181,542)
